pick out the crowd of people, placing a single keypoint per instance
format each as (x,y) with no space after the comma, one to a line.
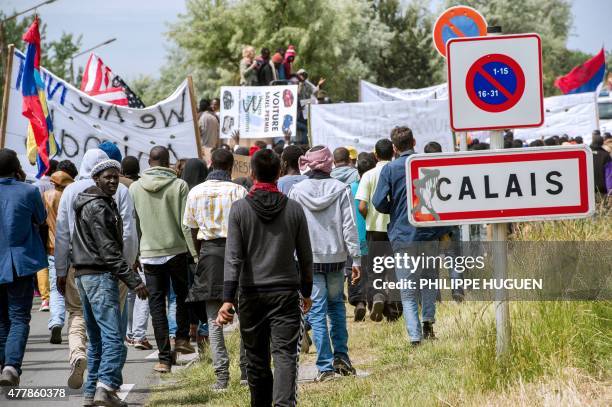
(192,248)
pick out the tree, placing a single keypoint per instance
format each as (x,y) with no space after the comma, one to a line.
(410,61)
(58,53)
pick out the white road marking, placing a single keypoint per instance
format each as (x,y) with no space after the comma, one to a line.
(124,390)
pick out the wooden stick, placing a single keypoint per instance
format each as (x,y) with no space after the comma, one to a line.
(194,112)
(7,93)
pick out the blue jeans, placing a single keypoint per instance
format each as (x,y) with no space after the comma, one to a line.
(106,352)
(327,302)
(172,312)
(412,297)
(138,315)
(57,316)
(15,314)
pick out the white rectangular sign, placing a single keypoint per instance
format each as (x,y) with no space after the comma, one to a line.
(81,122)
(258,111)
(512,185)
(495,82)
(361,125)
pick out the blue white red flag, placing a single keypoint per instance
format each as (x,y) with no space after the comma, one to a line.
(585,77)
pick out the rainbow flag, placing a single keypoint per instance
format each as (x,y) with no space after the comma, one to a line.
(41,144)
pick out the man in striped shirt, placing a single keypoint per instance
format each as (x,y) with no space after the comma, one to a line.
(207,213)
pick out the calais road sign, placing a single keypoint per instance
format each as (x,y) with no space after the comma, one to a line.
(512,185)
(457,22)
(495,82)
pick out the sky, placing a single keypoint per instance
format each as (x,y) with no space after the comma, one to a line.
(139,26)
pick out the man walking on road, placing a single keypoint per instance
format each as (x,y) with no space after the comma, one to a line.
(330,212)
(207,213)
(160,198)
(265,230)
(21,255)
(97,246)
(64,227)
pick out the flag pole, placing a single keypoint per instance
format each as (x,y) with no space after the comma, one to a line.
(196,130)
(7,92)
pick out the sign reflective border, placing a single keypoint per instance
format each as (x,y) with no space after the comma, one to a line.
(512,185)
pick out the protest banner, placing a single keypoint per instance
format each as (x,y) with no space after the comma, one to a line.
(362,124)
(574,115)
(258,111)
(81,122)
(242,166)
(369,92)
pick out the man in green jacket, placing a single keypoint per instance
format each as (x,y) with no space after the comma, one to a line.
(165,249)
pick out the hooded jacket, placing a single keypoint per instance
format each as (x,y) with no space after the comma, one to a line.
(97,241)
(51,198)
(330,211)
(64,225)
(265,229)
(345,174)
(160,198)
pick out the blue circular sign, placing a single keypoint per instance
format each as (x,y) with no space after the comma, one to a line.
(495,83)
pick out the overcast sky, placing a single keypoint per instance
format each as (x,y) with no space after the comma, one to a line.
(139,27)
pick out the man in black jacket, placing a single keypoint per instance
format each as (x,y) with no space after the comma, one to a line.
(97,245)
(265,230)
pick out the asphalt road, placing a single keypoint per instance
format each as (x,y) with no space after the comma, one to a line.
(46,365)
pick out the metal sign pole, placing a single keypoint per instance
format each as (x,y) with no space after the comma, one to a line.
(463,146)
(500,258)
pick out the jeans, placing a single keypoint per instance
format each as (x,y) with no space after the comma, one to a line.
(106,351)
(15,314)
(57,316)
(172,311)
(138,315)
(158,279)
(327,302)
(412,297)
(271,327)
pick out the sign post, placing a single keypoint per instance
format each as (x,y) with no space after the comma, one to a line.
(7,92)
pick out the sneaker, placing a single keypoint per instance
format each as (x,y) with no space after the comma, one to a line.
(143,345)
(75,380)
(378,306)
(88,401)
(9,377)
(183,346)
(325,376)
(306,343)
(414,344)
(162,368)
(108,398)
(428,331)
(129,341)
(360,312)
(220,385)
(343,367)
(44,306)
(56,335)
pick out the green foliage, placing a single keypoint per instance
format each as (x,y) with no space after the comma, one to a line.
(56,57)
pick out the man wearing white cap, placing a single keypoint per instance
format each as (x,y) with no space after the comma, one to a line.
(97,246)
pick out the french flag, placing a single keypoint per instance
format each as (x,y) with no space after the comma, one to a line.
(585,77)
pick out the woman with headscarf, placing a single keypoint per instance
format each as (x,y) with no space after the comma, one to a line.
(194,172)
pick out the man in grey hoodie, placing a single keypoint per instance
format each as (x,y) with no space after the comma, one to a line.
(343,167)
(330,212)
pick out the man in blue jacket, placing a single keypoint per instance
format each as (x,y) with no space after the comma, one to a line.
(22,254)
(390,197)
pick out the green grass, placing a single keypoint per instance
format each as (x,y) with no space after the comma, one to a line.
(560,353)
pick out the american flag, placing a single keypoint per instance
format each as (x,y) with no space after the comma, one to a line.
(100,82)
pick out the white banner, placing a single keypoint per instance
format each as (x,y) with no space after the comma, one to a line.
(362,124)
(258,111)
(370,92)
(81,122)
(574,115)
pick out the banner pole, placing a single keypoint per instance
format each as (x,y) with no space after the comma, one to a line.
(194,113)
(309,129)
(6,94)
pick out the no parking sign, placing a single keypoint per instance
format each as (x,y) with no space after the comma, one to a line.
(495,82)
